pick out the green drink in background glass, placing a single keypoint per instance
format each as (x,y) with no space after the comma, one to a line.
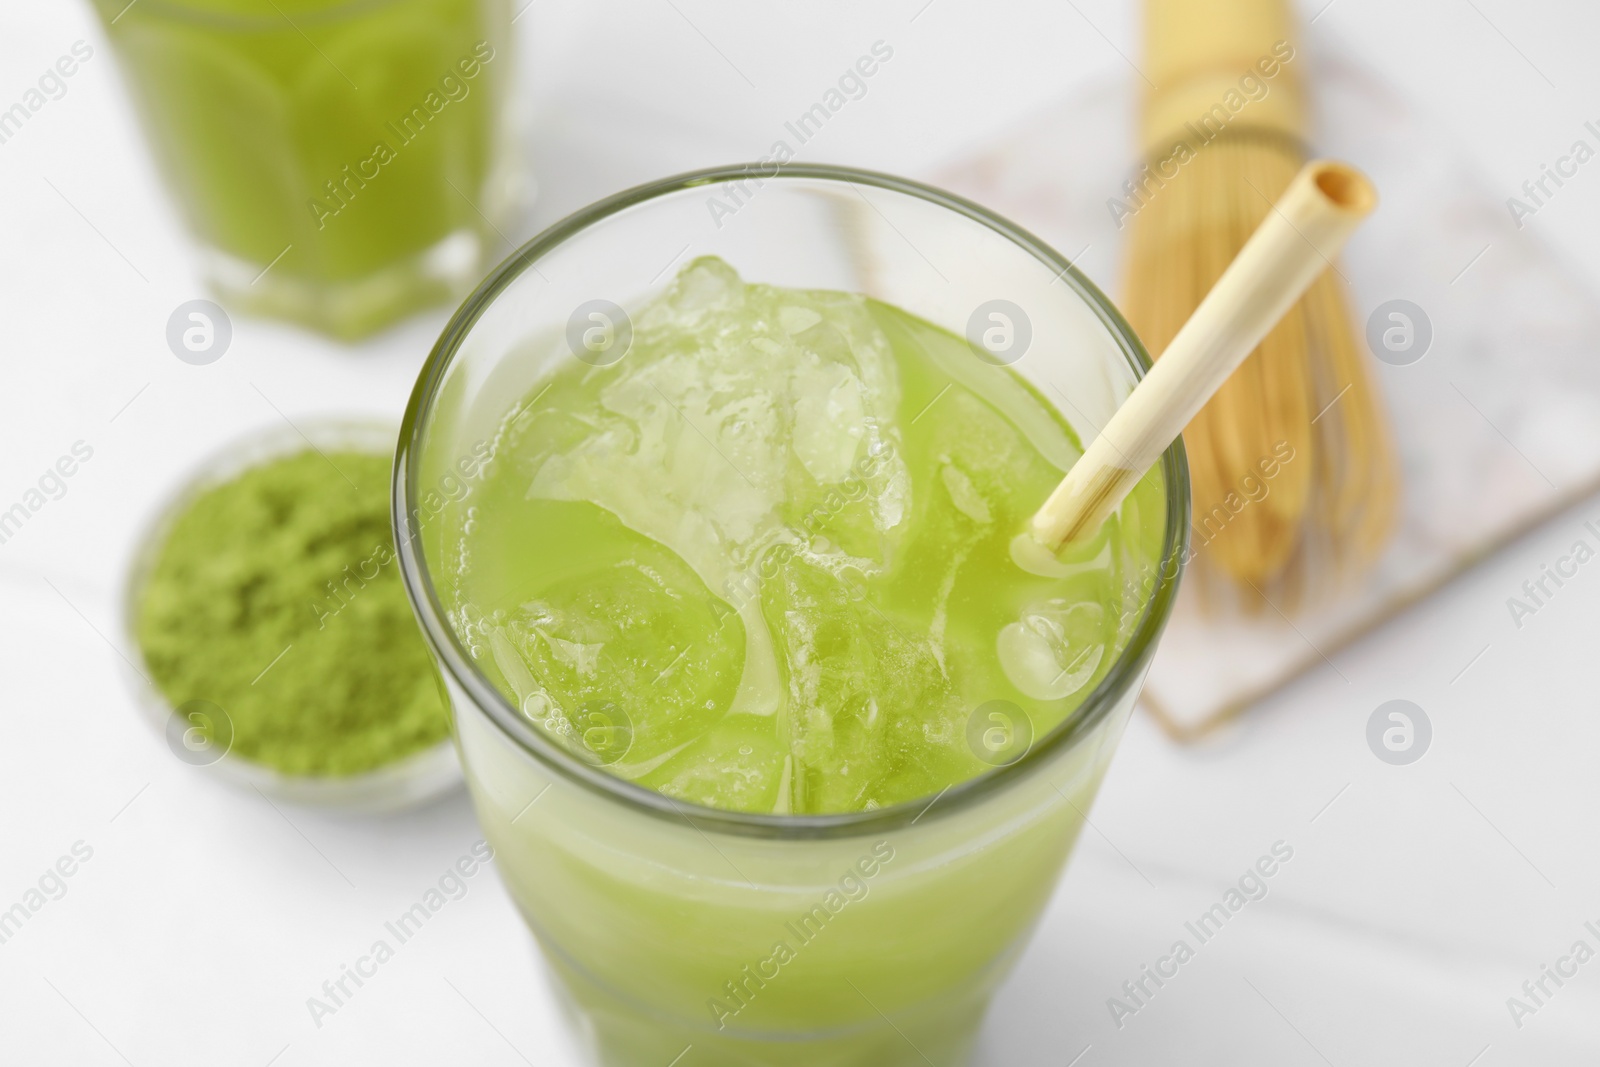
(340,160)
(781,727)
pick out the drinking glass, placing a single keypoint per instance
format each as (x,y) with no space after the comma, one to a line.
(864,939)
(342,162)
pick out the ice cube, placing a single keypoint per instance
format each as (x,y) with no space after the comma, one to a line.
(794,319)
(738,765)
(828,420)
(865,695)
(640,640)
(1055,648)
(966,497)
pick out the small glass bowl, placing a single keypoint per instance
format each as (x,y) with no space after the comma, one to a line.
(411,781)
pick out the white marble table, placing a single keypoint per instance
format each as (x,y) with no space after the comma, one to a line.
(1418,898)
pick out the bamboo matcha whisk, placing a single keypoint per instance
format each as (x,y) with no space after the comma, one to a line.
(1293,466)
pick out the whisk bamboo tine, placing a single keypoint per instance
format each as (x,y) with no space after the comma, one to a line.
(1327,511)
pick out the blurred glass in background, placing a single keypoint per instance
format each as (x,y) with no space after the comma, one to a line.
(343,162)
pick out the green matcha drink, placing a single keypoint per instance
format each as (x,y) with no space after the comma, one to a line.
(336,157)
(769,560)
(780,726)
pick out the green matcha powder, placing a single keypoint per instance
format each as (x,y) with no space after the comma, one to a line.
(277,597)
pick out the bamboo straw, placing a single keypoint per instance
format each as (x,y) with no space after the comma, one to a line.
(1286,254)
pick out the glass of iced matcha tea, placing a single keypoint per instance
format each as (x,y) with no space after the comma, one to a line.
(780,725)
(341,161)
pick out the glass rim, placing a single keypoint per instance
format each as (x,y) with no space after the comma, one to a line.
(453,658)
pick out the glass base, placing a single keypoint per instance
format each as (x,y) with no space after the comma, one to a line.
(613,1033)
(351,310)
